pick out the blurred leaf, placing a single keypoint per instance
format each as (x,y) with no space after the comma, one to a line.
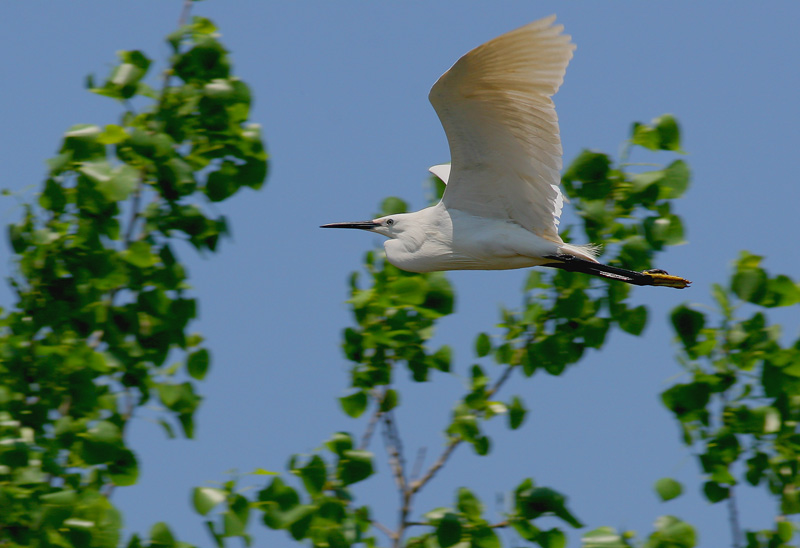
(687,324)
(392,205)
(448,532)
(603,537)
(115,183)
(206,498)
(354,466)
(469,505)
(675,181)
(668,489)
(672,532)
(662,134)
(715,492)
(516,413)
(314,475)
(112,135)
(197,364)
(139,254)
(161,536)
(553,538)
(483,345)
(355,404)
(634,320)
(750,285)
(124,470)
(682,399)
(390,400)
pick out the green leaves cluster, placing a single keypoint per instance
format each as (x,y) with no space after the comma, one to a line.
(102,299)
(326,515)
(740,405)
(394,318)
(395,313)
(467,525)
(631,212)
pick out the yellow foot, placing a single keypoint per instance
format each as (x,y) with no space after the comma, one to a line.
(662,278)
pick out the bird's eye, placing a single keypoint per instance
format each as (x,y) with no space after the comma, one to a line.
(389,222)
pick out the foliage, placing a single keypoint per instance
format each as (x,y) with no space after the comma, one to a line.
(102,299)
(740,406)
(563,315)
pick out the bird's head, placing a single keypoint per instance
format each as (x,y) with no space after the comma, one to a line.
(390,226)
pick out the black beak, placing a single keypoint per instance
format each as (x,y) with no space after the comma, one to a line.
(363,225)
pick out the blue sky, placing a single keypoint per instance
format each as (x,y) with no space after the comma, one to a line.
(341,92)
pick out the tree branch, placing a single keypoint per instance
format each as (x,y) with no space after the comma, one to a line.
(373,421)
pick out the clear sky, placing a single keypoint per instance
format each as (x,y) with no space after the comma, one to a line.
(341,91)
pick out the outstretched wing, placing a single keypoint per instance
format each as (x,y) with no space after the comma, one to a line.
(501,124)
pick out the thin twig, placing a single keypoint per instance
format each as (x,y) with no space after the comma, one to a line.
(418,463)
(733,511)
(385,530)
(373,421)
(503,378)
(420,483)
(396,460)
(451,446)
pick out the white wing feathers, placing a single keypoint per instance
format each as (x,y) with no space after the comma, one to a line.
(442,171)
(501,124)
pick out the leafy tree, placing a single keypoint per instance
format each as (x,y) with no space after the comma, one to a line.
(562,317)
(102,299)
(103,304)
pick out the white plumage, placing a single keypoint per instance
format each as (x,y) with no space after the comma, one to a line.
(502,203)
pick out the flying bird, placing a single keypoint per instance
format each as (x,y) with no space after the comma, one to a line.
(502,202)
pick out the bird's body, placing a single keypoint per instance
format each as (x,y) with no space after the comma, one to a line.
(440,238)
(501,207)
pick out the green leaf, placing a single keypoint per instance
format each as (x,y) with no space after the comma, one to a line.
(668,489)
(604,537)
(662,134)
(124,470)
(409,290)
(633,320)
(314,475)
(553,538)
(355,404)
(114,183)
(750,285)
(469,505)
(161,536)
(139,254)
(340,442)
(390,400)
(592,169)
(205,499)
(672,532)
(715,492)
(484,537)
(516,413)
(112,135)
(442,358)
(537,501)
(687,324)
(675,181)
(197,364)
(440,298)
(483,345)
(781,291)
(448,532)
(682,399)
(80,142)
(355,465)
(392,205)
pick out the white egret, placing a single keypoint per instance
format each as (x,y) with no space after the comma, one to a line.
(502,203)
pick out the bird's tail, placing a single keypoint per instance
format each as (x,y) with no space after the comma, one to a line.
(647,277)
